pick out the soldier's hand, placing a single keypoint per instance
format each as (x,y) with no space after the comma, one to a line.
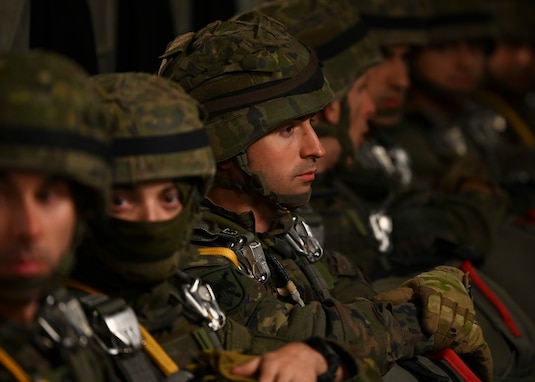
(448,313)
(293,362)
(447,308)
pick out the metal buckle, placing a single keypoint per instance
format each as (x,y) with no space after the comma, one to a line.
(201,298)
(302,240)
(381,225)
(115,324)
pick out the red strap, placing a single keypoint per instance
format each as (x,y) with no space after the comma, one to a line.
(466,266)
(456,363)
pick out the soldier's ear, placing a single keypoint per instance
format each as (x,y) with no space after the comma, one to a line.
(331,112)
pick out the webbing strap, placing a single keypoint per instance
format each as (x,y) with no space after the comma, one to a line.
(456,363)
(220,251)
(13,367)
(467,266)
(158,355)
(151,346)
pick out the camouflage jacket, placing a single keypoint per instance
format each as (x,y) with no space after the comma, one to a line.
(182,324)
(57,346)
(332,299)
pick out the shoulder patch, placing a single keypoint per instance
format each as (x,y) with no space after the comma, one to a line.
(226,286)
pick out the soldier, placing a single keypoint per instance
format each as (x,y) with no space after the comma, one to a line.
(261,86)
(54,173)
(511,69)
(343,122)
(162,164)
(509,88)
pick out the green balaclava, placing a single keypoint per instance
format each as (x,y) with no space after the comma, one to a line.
(252,77)
(52,121)
(159,136)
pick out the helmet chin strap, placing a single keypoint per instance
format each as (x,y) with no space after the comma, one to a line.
(256,182)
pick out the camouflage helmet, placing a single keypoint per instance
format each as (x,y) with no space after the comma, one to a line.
(334,29)
(159,131)
(461,20)
(52,120)
(396,21)
(159,136)
(514,19)
(252,77)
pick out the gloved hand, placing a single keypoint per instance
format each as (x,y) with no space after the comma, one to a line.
(448,313)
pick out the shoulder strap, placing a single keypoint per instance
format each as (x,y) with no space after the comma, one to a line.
(13,367)
(150,345)
(220,251)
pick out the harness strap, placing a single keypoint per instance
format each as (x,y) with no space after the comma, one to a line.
(13,367)
(467,266)
(151,346)
(456,363)
(158,355)
(220,251)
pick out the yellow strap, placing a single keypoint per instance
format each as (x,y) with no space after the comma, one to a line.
(515,121)
(220,251)
(13,367)
(166,364)
(151,346)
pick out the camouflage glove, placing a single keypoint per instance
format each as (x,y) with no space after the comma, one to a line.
(448,313)
(447,309)
(221,363)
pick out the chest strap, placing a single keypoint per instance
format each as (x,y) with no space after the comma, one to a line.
(150,345)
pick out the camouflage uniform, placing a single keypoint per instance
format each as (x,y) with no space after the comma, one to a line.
(279,282)
(159,137)
(51,122)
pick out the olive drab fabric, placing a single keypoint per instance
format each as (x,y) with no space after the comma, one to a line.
(276,88)
(334,30)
